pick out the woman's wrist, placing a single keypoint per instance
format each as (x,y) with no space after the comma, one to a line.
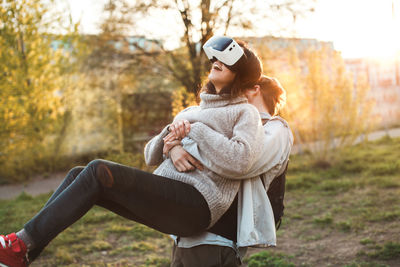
(172,148)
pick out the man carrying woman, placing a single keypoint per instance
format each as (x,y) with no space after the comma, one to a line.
(225,131)
(222,248)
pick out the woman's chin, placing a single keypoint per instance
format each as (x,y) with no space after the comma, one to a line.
(214,78)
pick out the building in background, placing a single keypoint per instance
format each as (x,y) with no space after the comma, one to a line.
(101,119)
(383,75)
(276,43)
(384,79)
(115,114)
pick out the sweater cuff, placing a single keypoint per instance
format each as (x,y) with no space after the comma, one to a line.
(165,131)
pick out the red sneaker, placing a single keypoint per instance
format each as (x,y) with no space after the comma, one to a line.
(12,251)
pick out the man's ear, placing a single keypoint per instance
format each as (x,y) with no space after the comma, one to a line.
(255,90)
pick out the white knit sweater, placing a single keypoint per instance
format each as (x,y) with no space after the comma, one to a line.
(228,132)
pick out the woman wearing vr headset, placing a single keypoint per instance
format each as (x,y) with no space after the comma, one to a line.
(226,131)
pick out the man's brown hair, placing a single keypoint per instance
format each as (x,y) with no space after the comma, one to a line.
(273,94)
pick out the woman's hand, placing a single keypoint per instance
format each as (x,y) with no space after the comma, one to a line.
(168,145)
(183,161)
(180,128)
(170,138)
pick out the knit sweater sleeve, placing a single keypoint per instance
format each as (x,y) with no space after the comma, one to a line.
(153,151)
(235,155)
(275,150)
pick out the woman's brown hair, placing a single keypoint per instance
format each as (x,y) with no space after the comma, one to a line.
(273,94)
(248,71)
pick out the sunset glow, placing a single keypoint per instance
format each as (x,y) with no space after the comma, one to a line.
(358,28)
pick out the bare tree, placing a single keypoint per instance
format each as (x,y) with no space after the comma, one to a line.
(199,20)
(196,21)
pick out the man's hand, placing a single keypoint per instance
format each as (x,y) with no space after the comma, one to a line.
(183,161)
(170,138)
(168,145)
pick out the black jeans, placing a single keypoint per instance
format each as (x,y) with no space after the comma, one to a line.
(164,204)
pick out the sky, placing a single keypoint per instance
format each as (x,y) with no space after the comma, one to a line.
(357,28)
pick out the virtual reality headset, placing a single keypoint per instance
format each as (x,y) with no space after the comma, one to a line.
(224,49)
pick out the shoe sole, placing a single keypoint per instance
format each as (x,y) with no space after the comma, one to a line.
(2,265)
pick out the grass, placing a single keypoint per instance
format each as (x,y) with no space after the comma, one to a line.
(266,259)
(342,213)
(100,238)
(345,212)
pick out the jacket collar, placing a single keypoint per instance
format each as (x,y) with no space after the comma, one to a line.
(265,116)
